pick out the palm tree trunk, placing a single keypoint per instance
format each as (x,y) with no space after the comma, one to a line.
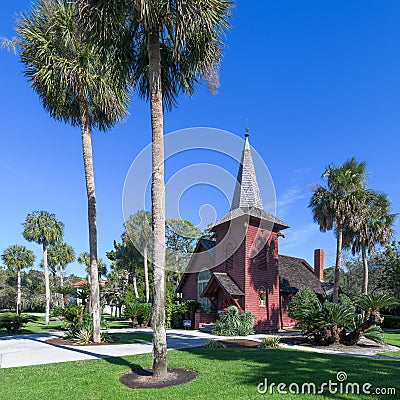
(18,291)
(158,208)
(134,279)
(61,270)
(339,245)
(46,283)
(365,265)
(91,195)
(146,274)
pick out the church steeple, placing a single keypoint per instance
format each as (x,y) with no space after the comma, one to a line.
(247,192)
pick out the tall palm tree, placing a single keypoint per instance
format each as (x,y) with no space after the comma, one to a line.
(60,254)
(79,82)
(84,258)
(177,43)
(375,228)
(336,205)
(138,230)
(43,228)
(15,258)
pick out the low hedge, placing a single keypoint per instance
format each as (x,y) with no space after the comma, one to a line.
(391,322)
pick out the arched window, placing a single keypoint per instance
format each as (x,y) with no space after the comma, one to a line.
(229,256)
(202,280)
(262,296)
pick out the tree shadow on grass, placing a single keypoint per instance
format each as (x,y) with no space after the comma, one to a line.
(290,366)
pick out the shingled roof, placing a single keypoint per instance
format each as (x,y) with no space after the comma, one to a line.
(297,274)
(246,198)
(251,212)
(223,280)
(247,192)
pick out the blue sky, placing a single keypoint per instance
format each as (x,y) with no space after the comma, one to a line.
(319,82)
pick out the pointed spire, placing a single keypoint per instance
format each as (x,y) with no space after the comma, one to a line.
(247,192)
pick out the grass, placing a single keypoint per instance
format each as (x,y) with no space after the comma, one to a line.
(222,374)
(118,324)
(132,337)
(37,325)
(392,336)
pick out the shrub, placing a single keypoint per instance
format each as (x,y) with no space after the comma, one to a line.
(177,316)
(145,313)
(138,313)
(12,322)
(234,323)
(132,312)
(183,311)
(391,322)
(339,323)
(270,341)
(213,344)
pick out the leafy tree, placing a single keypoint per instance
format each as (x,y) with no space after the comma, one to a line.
(60,254)
(375,227)
(15,258)
(336,204)
(181,238)
(79,82)
(138,230)
(126,259)
(43,228)
(390,261)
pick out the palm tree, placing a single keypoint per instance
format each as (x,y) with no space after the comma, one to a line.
(43,228)
(15,258)
(375,228)
(60,254)
(177,43)
(138,230)
(336,205)
(84,258)
(79,82)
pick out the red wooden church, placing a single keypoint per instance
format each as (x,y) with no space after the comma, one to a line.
(241,264)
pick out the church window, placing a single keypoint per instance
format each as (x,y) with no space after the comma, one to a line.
(262,296)
(202,280)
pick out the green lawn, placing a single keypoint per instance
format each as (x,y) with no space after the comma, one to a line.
(37,325)
(392,336)
(118,324)
(222,374)
(132,337)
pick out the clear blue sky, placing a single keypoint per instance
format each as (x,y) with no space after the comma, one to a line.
(318,81)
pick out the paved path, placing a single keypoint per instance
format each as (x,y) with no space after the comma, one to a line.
(31,349)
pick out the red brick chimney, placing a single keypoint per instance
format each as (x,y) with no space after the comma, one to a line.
(319,264)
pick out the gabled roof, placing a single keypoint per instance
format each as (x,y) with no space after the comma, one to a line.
(297,274)
(208,244)
(223,280)
(247,192)
(209,247)
(251,212)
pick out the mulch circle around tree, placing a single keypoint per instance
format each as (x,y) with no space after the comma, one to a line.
(65,342)
(143,378)
(239,343)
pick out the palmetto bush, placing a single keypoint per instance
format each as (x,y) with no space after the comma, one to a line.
(138,313)
(270,341)
(234,323)
(332,323)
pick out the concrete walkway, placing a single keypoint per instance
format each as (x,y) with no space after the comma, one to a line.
(31,349)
